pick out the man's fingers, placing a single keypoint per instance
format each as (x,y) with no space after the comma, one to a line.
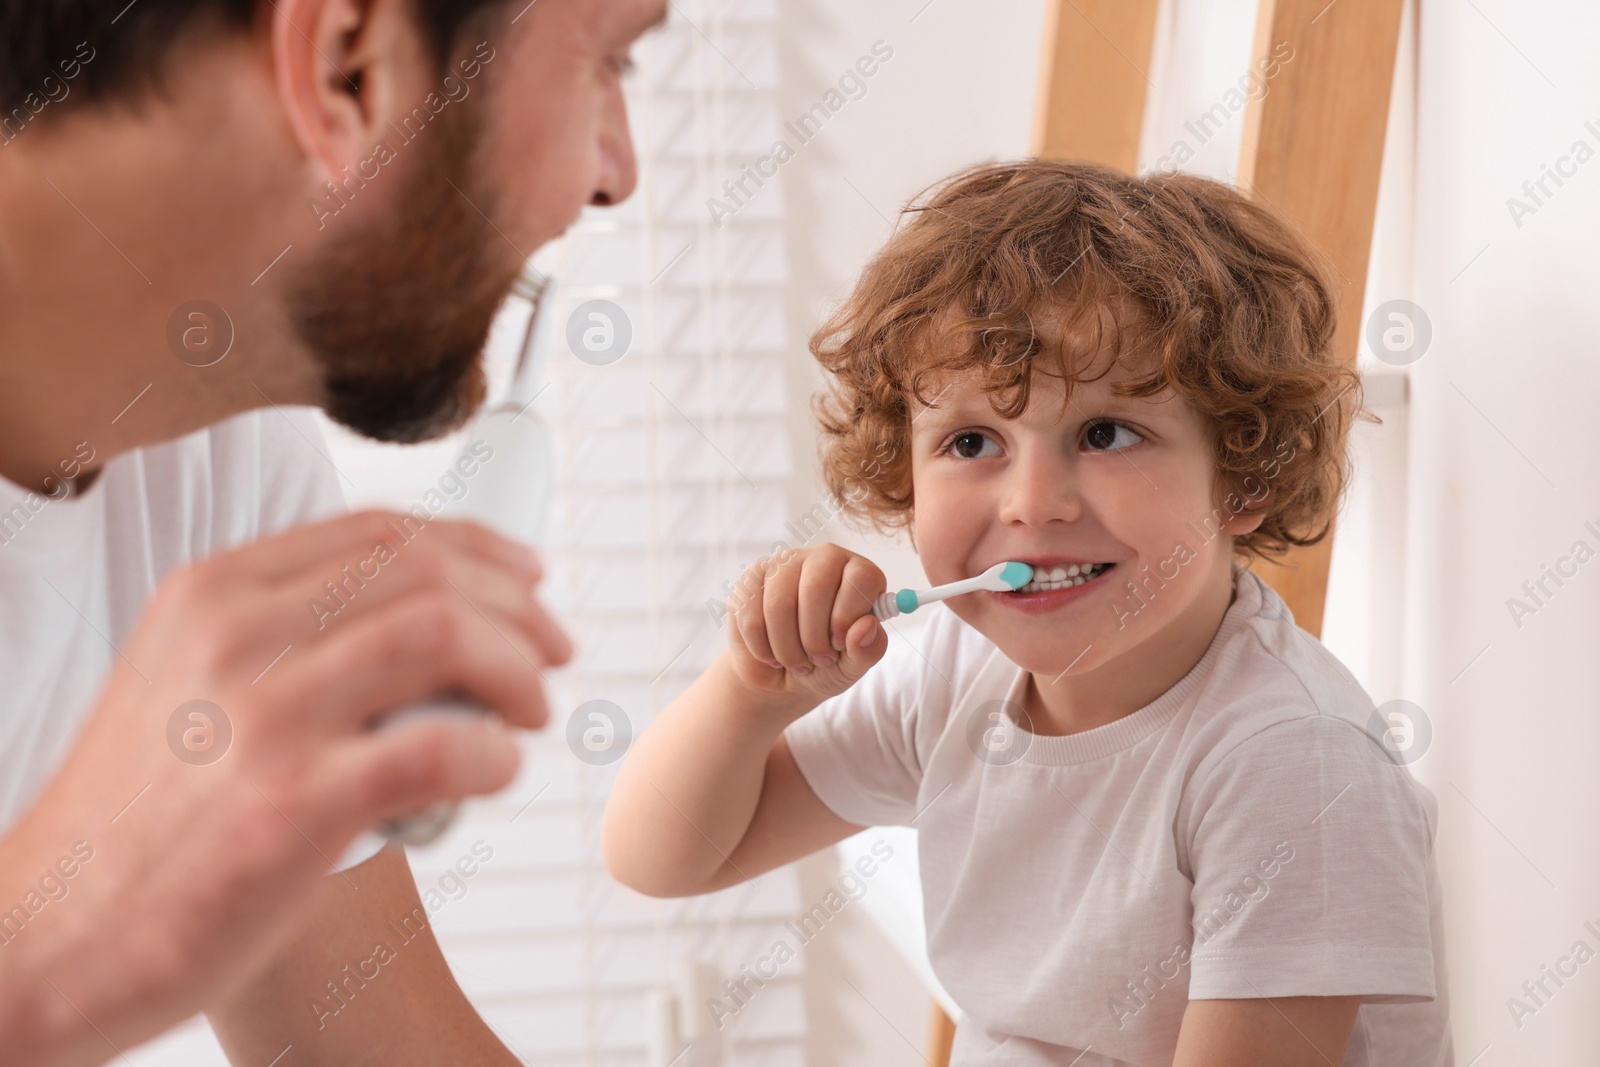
(547,634)
(308,551)
(507,600)
(416,650)
(321,601)
(426,760)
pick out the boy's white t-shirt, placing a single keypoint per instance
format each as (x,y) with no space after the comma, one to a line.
(1243,836)
(76,572)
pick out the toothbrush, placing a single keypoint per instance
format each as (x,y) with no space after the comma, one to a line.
(509,494)
(1001,578)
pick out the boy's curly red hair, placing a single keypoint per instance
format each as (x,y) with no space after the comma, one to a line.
(1213,291)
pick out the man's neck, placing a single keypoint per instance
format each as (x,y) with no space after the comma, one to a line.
(96,281)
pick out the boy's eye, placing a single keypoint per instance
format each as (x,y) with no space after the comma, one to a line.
(1102,436)
(968,444)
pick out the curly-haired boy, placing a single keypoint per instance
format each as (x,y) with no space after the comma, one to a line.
(1153,826)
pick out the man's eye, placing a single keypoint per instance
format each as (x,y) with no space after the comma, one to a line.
(969,444)
(1102,436)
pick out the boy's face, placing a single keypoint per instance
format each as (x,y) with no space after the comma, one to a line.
(1120,481)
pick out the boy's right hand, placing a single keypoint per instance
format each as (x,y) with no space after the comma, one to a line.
(801,626)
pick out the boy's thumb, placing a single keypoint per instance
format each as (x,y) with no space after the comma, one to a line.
(865,643)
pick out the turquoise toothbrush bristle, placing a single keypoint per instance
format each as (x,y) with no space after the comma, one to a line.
(1016,575)
(906,601)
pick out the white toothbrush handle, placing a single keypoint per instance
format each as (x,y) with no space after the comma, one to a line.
(888,607)
(512,460)
(945,592)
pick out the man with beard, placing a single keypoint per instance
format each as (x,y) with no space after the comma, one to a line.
(183,745)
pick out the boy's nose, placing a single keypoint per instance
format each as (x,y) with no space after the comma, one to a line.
(1039,488)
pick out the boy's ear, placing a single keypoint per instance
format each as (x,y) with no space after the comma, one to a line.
(1249,520)
(1245,523)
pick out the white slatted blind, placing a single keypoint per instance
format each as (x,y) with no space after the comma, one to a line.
(673,468)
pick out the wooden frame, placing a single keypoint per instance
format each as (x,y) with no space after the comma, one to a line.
(1093,79)
(1313,148)
(941,1037)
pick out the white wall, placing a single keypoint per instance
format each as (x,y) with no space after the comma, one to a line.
(1505,477)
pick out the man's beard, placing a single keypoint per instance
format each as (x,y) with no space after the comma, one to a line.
(397,312)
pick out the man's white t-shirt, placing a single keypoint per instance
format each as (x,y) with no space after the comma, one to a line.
(1243,836)
(75,573)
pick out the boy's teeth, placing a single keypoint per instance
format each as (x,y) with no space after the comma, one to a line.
(1045,579)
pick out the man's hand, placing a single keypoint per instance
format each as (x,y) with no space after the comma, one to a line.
(201,865)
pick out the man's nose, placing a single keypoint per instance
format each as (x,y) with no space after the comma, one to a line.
(619,166)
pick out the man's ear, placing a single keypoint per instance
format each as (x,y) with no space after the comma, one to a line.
(342,66)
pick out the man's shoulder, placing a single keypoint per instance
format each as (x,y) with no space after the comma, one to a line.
(285,445)
(237,480)
(263,437)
